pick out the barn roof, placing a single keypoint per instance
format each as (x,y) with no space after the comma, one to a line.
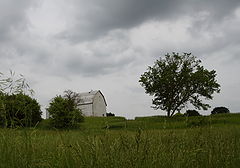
(87,97)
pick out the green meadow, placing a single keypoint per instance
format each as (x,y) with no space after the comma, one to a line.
(205,141)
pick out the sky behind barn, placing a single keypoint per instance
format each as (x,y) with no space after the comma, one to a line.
(107,44)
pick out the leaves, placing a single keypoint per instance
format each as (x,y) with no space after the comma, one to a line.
(14,84)
(16,107)
(178,80)
(64,112)
(19,110)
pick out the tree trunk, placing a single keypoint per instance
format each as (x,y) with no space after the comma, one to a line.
(168,113)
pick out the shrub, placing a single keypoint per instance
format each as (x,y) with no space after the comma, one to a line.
(190,113)
(19,110)
(16,107)
(220,110)
(64,113)
(110,114)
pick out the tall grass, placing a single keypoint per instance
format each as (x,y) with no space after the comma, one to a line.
(212,141)
(192,147)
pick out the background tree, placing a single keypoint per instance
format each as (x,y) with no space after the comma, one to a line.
(73,97)
(64,112)
(220,110)
(110,114)
(190,113)
(176,80)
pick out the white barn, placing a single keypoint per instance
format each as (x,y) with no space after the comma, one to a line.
(92,103)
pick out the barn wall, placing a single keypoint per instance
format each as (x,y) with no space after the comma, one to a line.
(86,109)
(99,106)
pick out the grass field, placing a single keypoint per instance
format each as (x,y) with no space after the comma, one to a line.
(212,141)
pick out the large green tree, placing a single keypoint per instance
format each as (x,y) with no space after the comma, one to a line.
(179,79)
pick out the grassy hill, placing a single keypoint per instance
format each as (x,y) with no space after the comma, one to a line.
(157,141)
(159,122)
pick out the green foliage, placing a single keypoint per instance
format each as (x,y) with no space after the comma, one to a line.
(19,110)
(110,114)
(220,110)
(177,80)
(16,107)
(190,113)
(63,113)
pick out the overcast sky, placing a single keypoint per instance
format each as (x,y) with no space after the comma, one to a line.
(107,44)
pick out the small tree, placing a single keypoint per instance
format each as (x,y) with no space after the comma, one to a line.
(64,112)
(190,113)
(178,80)
(20,110)
(110,114)
(73,97)
(220,110)
(17,108)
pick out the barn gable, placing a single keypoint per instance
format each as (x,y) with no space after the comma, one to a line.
(88,97)
(92,103)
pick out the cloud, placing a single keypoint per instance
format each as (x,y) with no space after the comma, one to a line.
(96,18)
(13,18)
(106,44)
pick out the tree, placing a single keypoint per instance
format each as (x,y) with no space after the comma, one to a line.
(20,110)
(73,97)
(190,113)
(179,79)
(17,108)
(64,112)
(110,114)
(220,110)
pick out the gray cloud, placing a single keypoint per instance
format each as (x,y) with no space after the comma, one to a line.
(96,18)
(108,55)
(13,18)
(107,44)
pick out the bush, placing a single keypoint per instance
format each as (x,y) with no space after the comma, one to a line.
(190,113)
(19,110)
(220,110)
(110,114)
(63,113)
